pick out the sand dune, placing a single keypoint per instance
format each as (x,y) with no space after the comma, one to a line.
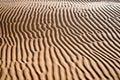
(59,40)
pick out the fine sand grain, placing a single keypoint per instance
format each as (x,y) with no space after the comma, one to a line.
(59,40)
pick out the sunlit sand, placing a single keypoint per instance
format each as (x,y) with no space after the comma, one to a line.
(59,40)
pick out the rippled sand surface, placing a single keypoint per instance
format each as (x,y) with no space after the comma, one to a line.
(59,40)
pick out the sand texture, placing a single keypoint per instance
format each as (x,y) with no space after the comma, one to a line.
(59,40)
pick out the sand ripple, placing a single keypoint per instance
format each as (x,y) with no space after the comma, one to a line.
(59,40)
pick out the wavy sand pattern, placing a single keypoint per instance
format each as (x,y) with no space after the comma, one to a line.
(59,40)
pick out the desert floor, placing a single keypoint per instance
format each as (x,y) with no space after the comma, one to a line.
(59,40)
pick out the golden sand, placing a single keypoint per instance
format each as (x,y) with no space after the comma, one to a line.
(59,40)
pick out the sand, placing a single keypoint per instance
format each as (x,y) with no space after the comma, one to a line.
(59,40)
